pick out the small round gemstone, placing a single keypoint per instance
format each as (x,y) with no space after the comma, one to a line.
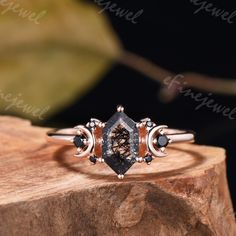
(93,159)
(162,141)
(78,141)
(149,124)
(148,158)
(92,124)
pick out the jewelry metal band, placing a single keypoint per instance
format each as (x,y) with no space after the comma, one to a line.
(120,142)
(64,136)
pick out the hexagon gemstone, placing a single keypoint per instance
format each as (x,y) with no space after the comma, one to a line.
(120,142)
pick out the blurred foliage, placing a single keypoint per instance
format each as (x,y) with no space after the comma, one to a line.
(57,61)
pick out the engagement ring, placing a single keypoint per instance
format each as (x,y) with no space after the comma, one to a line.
(120,142)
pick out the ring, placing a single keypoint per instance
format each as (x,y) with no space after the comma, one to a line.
(120,142)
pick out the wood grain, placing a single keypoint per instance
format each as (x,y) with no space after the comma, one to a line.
(44,190)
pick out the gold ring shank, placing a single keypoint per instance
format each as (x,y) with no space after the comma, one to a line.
(176,135)
(62,136)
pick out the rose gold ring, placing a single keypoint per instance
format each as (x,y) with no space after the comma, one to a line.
(120,142)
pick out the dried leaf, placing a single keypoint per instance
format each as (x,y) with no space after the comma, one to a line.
(52,63)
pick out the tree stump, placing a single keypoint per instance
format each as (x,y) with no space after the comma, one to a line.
(44,190)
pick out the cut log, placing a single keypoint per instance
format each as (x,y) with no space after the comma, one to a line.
(44,190)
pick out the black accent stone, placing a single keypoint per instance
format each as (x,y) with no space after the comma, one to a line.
(120,143)
(78,141)
(162,141)
(148,158)
(93,159)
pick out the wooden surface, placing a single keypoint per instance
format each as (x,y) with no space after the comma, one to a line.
(44,190)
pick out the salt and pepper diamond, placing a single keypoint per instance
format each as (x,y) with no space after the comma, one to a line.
(120,142)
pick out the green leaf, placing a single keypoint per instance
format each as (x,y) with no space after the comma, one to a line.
(52,63)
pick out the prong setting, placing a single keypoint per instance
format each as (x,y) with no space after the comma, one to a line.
(139,159)
(101,160)
(101,125)
(120,176)
(120,108)
(162,149)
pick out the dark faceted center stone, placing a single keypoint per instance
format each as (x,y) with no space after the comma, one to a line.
(120,142)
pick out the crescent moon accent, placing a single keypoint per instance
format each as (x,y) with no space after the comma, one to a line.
(152,149)
(82,129)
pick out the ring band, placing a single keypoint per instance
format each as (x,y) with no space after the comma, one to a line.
(64,136)
(120,142)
